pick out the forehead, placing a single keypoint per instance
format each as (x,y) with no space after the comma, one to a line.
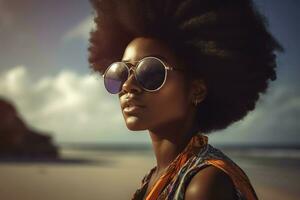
(142,47)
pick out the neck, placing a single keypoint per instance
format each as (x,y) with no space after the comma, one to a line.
(169,141)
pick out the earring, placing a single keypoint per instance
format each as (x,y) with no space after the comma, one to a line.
(195,102)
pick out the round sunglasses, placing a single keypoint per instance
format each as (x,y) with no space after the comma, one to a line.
(150,72)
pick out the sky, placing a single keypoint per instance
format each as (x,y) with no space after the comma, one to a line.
(44,72)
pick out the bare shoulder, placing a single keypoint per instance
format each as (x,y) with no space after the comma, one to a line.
(210,183)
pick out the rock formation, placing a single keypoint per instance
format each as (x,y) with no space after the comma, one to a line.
(19,141)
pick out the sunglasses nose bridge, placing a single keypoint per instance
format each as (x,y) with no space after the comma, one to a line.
(131,70)
(131,83)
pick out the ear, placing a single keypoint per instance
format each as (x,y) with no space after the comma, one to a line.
(198,90)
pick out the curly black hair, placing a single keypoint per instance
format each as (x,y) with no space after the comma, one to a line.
(224,42)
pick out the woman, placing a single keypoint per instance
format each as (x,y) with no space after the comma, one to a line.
(183,69)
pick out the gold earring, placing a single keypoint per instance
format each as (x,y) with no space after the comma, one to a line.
(195,102)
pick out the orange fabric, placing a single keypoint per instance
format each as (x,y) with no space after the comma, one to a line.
(164,179)
(194,144)
(239,178)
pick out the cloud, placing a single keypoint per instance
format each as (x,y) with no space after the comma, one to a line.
(75,107)
(72,107)
(80,31)
(274,120)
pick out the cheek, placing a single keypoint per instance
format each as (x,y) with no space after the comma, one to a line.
(169,104)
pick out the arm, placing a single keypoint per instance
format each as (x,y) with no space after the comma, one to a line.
(210,183)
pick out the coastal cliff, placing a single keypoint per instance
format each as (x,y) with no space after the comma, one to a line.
(17,140)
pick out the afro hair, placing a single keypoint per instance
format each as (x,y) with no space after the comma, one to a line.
(224,42)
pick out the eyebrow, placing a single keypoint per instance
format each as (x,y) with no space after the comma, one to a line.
(151,55)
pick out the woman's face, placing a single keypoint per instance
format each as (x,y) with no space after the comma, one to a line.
(166,107)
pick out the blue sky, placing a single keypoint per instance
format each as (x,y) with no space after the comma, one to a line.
(44,71)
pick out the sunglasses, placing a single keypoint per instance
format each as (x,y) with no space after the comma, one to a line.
(150,72)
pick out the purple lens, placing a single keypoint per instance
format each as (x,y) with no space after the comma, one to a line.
(151,73)
(115,76)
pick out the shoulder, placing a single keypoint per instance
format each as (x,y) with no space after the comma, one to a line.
(210,183)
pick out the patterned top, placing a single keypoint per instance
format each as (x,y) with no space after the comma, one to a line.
(197,155)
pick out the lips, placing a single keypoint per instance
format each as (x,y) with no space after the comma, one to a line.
(131,102)
(132,109)
(131,106)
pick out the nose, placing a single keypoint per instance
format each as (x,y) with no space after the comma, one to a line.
(131,85)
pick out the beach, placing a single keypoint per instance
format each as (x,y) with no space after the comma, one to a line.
(114,175)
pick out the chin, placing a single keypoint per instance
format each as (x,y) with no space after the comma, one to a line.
(133,127)
(134,124)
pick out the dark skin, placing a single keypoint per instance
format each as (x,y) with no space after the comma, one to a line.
(168,115)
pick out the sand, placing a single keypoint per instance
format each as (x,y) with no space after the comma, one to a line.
(112,176)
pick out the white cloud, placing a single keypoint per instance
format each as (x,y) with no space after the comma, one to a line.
(80,31)
(76,107)
(73,107)
(275,119)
